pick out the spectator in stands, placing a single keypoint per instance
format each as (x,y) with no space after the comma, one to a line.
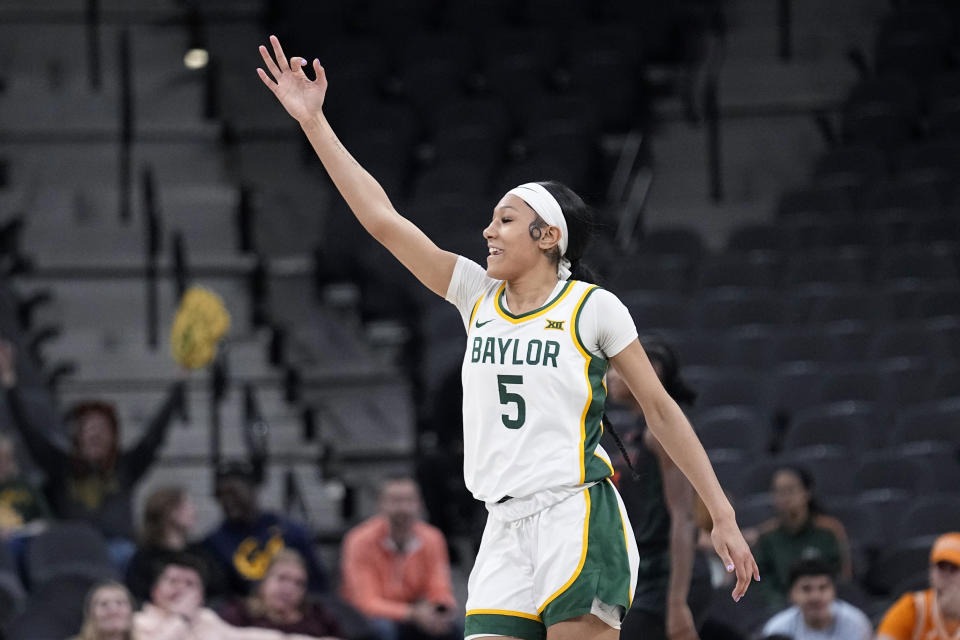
(176,609)
(23,509)
(816,613)
(798,531)
(107,613)
(673,585)
(248,538)
(395,569)
(280,601)
(169,516)
(933,614)
(94,480)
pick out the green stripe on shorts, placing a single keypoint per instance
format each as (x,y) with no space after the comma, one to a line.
(606,571)
(515,626)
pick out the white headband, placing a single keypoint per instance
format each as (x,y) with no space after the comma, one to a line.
(547,207)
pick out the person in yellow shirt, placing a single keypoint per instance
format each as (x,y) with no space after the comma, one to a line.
(933,614)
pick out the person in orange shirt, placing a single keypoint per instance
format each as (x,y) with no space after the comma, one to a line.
(933,614)
(395,569)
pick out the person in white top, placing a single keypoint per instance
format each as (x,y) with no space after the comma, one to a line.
(816,613)
(557,559)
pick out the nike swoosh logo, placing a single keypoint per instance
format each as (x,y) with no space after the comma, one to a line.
(479,324)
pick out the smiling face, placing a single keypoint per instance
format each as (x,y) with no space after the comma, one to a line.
(512,250)
(111,611)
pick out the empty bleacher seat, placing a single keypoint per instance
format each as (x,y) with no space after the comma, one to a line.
(851,425)
(732,307)
(934,421)
(883,470)
(71,548)
(739,428)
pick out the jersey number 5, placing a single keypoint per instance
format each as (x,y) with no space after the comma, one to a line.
(507,398)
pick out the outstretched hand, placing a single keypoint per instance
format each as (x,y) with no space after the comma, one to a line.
(736,556)
(299,95)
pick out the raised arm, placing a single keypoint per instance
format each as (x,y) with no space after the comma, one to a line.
(303,99)
(36,436)
(142,455)
(670,426)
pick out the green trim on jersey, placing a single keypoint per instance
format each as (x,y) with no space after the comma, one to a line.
(605,574)
(502,309)
(473,312)
(594,467)
(504,625)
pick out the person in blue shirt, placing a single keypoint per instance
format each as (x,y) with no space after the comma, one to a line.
(249,537)
(816,613)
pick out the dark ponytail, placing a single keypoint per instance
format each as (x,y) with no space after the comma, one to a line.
(580,227)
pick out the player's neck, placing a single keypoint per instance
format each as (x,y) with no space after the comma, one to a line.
(530,291)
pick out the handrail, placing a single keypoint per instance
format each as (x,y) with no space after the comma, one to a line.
(152,229)
(629,153)
(259,286)
(94,70)
(256,431)
(293,496)
(219,383)
(126,127)
(178,260)
(711,106)
(785,28)
(632,209)
(711,102)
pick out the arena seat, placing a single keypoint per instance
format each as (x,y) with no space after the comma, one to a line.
(881,470)
(931,515)
(70,548)
(821,202)
(847,266)
(756,269)
(853,383)
(738,428)
(933,421)
(828,464)
(898,562)
(795,386)
(849,166)
(751,237)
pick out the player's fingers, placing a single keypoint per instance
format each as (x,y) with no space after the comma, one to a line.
(278,52)
(266,80)
(268,60)
(727,559)
(743,581)
(297,64)
(318,70)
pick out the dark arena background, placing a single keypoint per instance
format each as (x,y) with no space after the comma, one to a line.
(777,187)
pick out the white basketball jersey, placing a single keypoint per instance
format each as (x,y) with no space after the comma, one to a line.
(533,398)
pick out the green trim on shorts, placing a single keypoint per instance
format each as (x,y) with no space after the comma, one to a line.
(606,571)
(503,625)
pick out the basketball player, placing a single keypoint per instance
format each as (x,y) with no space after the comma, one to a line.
(557,559)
